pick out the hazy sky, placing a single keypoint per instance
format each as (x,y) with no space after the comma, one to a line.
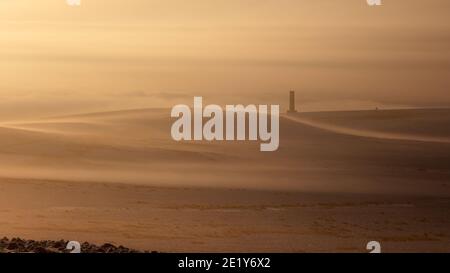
(113,54)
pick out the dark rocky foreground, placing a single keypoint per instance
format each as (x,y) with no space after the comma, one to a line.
(18,245)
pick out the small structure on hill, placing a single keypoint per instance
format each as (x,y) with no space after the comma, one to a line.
(292,102)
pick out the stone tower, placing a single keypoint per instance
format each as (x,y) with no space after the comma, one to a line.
(292,102)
